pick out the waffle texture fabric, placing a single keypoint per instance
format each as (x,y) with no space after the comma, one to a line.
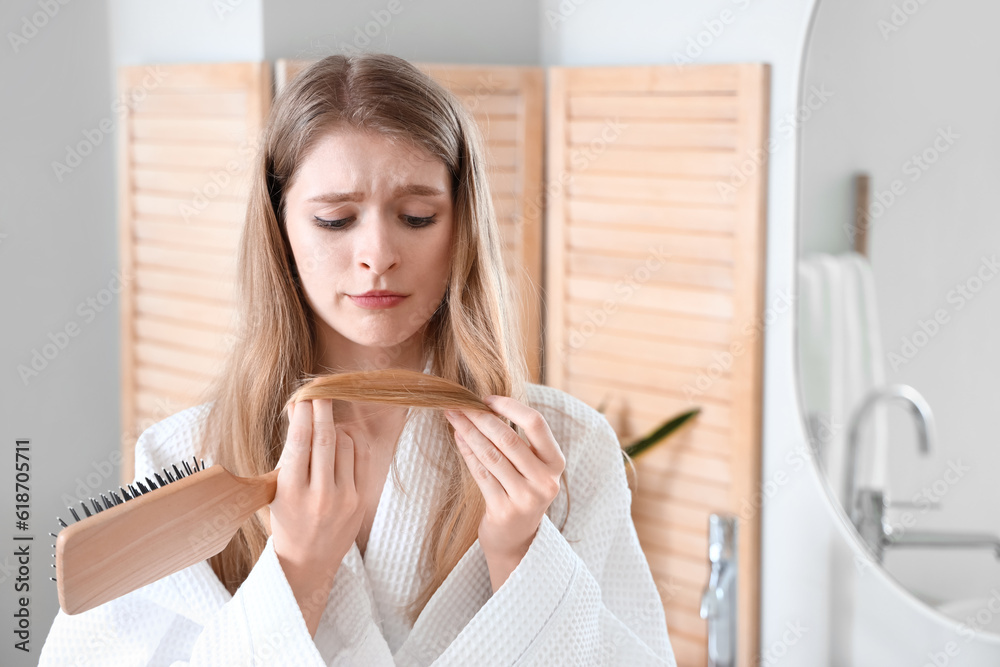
(582,596)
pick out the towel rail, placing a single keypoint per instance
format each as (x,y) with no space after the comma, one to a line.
(862,217)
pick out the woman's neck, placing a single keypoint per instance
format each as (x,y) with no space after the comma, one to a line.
(340,355)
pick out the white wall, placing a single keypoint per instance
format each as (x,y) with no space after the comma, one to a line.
(451,31)
(186,31)
(57,249)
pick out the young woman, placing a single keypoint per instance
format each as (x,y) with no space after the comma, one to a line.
(371,242)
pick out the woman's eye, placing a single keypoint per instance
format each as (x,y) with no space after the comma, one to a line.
(331,224)
(419,222)
(411,220)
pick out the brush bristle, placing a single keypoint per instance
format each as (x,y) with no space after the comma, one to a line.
(123,495)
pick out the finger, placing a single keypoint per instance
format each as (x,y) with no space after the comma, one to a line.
(324,444)
(493,491)
(509,478)
(294,457)
(537,430)
(345,462)
(290,410)
(362,466)
(489,432)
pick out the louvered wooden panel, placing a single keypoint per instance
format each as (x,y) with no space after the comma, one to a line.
(185,151)
(507,102)
(653,272)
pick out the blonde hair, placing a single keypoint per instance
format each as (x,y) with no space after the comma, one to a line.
(473,334)
(390,386)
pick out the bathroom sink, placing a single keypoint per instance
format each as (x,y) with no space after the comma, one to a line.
(982,614)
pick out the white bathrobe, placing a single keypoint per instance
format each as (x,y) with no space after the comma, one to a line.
(583,596)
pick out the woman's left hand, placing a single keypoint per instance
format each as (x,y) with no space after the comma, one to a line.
(519,479)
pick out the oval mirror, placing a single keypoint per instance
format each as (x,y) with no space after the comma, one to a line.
(899,286)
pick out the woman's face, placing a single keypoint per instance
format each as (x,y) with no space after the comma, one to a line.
(363,214)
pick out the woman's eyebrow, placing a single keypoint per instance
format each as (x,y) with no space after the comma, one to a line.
(411,189)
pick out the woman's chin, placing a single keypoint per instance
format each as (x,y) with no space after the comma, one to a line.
(386,343)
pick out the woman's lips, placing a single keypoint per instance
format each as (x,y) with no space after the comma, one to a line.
(376,302)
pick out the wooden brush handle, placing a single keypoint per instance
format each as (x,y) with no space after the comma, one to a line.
(261,489)
(154,535)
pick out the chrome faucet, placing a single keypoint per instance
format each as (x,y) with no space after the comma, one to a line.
(867,507)
(879,535)
(920,409)
(718,602)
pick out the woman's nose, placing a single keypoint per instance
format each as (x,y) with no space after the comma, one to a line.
(378,251)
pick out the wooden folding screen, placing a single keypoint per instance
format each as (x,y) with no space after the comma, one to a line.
(654,283)
(507,103)
(186,146)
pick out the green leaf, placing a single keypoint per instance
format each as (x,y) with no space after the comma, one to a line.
(661,433)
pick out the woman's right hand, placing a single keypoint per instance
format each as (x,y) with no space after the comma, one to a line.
(317,508)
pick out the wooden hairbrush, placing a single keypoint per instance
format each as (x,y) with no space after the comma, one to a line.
(191,512)
(176,521)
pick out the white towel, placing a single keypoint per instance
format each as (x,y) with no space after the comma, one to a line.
(840,361)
